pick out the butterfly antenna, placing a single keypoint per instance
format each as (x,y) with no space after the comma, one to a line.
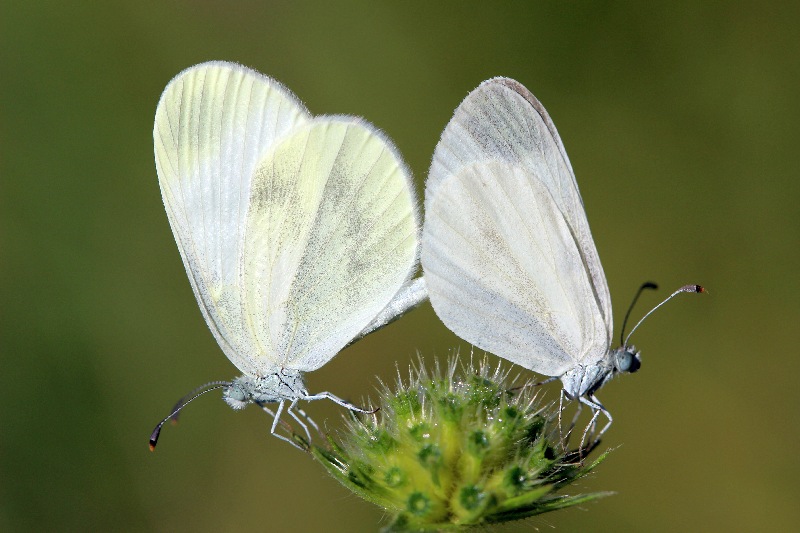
(685,288)
(183,402)
(645,285)
(188,397)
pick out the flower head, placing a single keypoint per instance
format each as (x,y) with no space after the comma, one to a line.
(456,448)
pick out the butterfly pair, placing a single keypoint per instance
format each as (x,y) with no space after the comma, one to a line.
(300,234)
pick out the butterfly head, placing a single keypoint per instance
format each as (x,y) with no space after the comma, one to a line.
(238,394)
(626,359)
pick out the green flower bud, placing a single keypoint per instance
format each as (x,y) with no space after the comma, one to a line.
(449,450)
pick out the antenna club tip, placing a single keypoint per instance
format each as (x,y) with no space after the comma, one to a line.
(692,288)
(152,446)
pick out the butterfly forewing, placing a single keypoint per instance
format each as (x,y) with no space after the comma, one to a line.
(502,121)
(500,173)
(213,124)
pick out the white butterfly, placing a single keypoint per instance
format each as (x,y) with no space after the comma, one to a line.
(507,254)
(299,234)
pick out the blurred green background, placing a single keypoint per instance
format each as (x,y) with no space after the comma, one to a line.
(681,122)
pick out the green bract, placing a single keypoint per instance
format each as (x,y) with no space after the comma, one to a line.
(454,449)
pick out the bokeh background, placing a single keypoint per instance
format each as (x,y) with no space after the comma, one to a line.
(681,122)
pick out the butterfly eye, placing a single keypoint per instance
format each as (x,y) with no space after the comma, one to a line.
(627,360)
(236,396)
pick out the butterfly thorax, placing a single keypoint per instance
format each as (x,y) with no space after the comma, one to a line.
(283,384)
(587,379)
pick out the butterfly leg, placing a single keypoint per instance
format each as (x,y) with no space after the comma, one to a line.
(311,421)
(276,417)
(291,411)
(565,437)
(605,412)
(343,403)
(592,401)
(561,436)
(595,411)
(575,417)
